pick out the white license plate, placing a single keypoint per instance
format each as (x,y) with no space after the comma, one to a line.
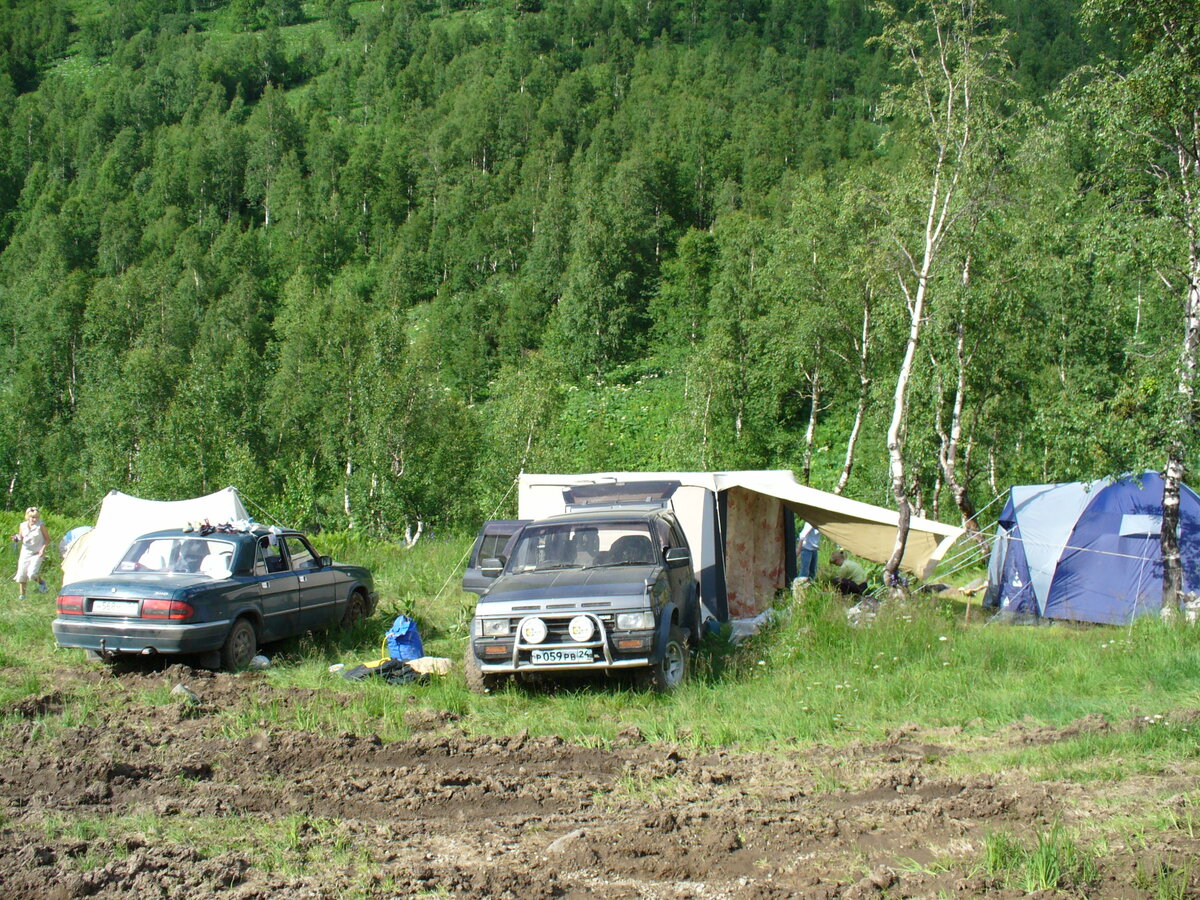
(115,607)
(550,657)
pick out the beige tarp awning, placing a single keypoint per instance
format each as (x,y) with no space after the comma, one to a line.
(864,529)
(123,518)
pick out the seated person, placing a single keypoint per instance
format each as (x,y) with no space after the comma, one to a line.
(587,547)
(191,554)
(846,574)
(270,557)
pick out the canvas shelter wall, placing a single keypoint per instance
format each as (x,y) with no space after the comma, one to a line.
(755,554)
(123,518)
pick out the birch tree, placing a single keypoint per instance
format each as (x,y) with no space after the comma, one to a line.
(949,59)
(829,286)
(1148,110)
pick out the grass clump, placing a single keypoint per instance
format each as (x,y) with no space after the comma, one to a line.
(1053,860)
(1162,879)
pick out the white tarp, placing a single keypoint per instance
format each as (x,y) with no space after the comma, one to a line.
(124,518)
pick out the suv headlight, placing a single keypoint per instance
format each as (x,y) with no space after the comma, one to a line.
(533,631)
(581,629)
(638,621)
(495,628)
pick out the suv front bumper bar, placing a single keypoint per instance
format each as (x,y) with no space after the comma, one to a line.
(599,642)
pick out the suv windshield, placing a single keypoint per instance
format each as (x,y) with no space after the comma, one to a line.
(578,545)
(178,555)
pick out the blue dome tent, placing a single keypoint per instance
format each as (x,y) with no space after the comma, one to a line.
(1088,551)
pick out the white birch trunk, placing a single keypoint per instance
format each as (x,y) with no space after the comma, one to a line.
(895,432)
(1187,146)
(864,386)
(810,432)
(411,535)
(1176,453)
(951,443)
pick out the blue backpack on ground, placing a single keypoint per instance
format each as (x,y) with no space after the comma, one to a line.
(403,641)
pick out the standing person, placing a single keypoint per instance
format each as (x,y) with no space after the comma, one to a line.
(809,543)
(34,539)
(847,575)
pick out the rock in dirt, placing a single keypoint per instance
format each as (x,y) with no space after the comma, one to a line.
(630,735)
(564,843)
(186,694)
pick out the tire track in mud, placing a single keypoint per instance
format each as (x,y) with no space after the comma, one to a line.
(487,817)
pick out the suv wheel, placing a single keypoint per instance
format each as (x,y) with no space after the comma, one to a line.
(478,681)
(670,671)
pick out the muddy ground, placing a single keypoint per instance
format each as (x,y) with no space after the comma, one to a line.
(445,814)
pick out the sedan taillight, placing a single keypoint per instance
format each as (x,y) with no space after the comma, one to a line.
(166,609)
(70,605)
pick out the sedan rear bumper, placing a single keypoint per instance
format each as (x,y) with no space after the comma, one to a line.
(124,636)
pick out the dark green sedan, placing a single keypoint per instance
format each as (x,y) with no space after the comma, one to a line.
(216,593)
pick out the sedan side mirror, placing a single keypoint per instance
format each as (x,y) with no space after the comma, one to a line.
(678,556)
(325,561)
(491,568)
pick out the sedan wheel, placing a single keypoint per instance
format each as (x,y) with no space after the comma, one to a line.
(240,646)
(356,609)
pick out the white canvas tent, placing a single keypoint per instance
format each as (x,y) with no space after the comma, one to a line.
(742,541)
(123,518)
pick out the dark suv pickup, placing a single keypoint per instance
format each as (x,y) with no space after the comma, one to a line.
(603,589)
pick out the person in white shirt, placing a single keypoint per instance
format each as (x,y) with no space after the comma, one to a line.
(33,539)
(809,544)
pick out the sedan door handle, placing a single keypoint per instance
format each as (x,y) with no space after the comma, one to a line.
(264,584)
(303,579)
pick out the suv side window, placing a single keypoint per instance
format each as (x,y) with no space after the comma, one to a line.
(662,533)
(677,538)
(492,546)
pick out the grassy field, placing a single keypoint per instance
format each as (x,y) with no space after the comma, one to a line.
(930,669)
(810,677)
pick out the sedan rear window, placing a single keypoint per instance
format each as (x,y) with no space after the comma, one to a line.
(190,556)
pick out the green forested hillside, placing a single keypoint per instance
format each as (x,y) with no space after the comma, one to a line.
(369,260)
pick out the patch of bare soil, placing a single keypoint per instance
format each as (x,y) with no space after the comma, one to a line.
(191,813)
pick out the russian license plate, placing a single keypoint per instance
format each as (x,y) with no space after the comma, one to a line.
(550,657)
(115,607)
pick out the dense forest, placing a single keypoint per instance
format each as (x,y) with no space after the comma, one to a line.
(367,261)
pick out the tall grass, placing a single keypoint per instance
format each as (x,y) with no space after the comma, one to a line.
(810,676)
